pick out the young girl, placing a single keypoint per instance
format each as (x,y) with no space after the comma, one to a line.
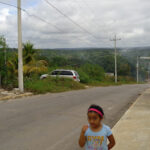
(94,136)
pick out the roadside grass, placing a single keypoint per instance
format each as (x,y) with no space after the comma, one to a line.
(56,84)
(105,83)
(52,85)
(110,81)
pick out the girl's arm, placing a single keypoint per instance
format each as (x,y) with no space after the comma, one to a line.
(82,139)
(111,142)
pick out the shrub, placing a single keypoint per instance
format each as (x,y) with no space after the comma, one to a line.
(84,78)
(95,72)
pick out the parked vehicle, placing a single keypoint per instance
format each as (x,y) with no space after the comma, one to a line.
(63,73)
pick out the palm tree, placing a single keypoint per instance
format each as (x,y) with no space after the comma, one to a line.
(29,52)
(35,67)
(31,64)
(13,65)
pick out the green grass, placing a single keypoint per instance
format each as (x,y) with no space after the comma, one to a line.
(105,83)
(52,85)
(109,81)
(55,85)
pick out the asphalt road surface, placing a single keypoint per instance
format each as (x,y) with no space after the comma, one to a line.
(54,121)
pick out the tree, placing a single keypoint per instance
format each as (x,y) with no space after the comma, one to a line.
(35,67)
(31,63)
(13,66)
(59,61)
(95,72)
(124,70)
(3,63)
(29,52)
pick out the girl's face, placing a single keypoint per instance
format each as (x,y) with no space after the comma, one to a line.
(94,119)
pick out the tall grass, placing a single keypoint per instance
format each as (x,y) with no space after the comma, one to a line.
(51,84)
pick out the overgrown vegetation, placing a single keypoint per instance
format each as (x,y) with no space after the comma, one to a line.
(90,64)
(91,72)
(51,84)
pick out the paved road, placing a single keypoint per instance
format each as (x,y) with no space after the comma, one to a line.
(53,121)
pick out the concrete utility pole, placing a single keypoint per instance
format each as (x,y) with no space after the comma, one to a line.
(5,57)
(20,61)
(115,43)
(137,70)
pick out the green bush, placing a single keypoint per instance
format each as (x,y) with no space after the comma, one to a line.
(84,78)
(9,84)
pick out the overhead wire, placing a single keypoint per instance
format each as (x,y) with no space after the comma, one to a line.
(39,18)
(31,15)
(83,18)
(75,23)
(43,20)
(70,19)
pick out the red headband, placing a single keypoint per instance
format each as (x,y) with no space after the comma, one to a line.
(93,109)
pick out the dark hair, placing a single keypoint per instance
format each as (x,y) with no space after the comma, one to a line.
(98,108)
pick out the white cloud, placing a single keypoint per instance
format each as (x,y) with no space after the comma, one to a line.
(128,19)
(132,34)
(3,14)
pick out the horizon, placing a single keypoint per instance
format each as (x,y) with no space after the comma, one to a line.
(69,48)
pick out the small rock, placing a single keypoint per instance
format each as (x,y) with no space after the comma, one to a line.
(4,92)
(16,91)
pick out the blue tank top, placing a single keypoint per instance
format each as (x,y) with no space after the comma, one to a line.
(97,140)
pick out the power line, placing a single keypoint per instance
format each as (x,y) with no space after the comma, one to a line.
(101,26)
(8,4)
(75,23)
(83,18)
(43,20)
(74,7)
(81,8)
(89,9)
(31,15)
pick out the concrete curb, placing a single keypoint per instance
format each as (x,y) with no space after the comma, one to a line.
(130,108)
(15,96)
(127,128)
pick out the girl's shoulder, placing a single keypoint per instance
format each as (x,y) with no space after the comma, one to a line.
(106,127)
(87,131)
(107,130)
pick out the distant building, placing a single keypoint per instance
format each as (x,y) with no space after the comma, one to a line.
(109,74)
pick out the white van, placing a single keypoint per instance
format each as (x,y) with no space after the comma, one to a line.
(63,73)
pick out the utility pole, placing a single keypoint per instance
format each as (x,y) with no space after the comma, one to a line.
(137,69)
(20,59)
(5,59)
(115,44)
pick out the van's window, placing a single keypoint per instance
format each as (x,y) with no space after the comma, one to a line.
(67,73)
(76,74)
(56,73)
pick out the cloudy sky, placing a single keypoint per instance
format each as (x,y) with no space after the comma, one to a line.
(93,23)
